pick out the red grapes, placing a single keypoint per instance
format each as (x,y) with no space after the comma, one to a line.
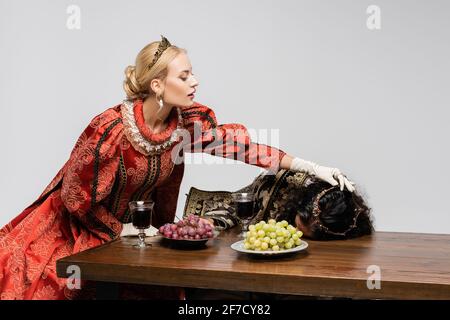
(191,227)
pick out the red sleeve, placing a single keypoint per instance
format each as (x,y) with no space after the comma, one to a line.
(91,171)
(230,141)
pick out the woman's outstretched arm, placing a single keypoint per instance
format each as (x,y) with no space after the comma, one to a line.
(233,141)
(230,140)
(286,162)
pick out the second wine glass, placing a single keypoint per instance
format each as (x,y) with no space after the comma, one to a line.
(244,208)
(141,215)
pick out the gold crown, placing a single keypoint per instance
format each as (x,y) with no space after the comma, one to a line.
(163,45)
(317,212)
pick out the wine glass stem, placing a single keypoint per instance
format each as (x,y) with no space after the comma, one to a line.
(244,226)
(141,235)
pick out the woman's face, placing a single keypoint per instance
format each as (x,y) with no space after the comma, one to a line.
(180,83)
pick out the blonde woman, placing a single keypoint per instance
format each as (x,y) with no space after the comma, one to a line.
(131,151)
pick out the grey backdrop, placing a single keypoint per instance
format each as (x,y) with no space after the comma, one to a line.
(373,103)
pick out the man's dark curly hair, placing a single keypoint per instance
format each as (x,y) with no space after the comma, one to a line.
(337,211)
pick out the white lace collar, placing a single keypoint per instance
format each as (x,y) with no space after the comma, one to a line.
(137,140)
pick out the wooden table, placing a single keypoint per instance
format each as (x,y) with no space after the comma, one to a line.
(411,265)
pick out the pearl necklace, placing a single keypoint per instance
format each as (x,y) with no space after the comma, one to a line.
(135,137)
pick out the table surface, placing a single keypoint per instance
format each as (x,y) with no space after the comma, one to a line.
(410,265)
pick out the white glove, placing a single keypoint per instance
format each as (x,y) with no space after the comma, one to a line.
(331,175)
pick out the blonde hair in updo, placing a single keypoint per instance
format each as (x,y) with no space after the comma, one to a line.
(138,77)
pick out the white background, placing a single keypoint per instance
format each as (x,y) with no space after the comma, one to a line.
(373,103)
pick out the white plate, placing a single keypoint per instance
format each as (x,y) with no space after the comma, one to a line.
(239,246)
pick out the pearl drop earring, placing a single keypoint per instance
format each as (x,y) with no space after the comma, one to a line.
(160,102)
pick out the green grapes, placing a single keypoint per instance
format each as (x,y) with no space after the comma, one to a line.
(272,236)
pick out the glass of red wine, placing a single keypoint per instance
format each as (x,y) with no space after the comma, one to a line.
(141,215)
(244,208)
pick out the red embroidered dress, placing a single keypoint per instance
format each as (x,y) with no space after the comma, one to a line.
(86,203)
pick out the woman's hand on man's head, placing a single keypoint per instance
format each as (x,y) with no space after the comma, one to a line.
(333,176)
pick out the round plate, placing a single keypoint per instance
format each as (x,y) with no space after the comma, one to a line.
(188,243)
(239,246)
